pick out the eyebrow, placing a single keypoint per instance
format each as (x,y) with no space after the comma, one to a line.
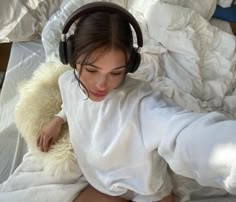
(92,65)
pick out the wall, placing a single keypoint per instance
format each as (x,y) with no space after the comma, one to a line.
(233,25)
(5,49)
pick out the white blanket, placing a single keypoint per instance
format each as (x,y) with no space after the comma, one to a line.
(184,57)
(30,183)
(197,59)
(24,59)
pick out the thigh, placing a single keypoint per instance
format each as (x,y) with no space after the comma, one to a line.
(89,194)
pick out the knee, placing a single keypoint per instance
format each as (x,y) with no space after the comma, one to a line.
(89,194)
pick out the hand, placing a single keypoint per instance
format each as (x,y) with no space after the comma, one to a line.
(49,133)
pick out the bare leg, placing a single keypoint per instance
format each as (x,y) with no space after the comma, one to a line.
(167,198)
(89,194)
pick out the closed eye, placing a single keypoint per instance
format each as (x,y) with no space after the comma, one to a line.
(90,70)
(116,73)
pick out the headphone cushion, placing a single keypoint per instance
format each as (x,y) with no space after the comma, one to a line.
(63,52)
(134,61)
(70,49)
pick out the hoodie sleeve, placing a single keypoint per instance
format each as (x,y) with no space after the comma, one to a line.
(62,114)
(200,146)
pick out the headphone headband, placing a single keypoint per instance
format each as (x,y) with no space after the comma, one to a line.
(104,6)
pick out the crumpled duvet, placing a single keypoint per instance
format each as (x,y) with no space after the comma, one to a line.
(198,59)
(29,182)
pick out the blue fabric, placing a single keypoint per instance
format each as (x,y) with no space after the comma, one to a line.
(227,14)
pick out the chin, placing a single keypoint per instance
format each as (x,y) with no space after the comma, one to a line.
(97,99)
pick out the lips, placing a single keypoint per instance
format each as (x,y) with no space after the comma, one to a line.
(98,94)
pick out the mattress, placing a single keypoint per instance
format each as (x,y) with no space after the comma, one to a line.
(24,59)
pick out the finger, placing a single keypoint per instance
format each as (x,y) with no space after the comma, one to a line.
(41,142)
(38,139)
(45,144)
(50,143)
(53,141)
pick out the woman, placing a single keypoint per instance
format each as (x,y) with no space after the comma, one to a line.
(100,104)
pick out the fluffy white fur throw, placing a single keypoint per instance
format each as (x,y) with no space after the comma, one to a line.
(39,101)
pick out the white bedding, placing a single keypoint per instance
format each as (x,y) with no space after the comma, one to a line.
(29,182)
(24,59)
(225,3)
(195,63)
(24,20)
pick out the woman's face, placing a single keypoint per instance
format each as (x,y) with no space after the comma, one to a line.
(100,74)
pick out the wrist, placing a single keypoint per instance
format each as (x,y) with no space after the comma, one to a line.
(59,120)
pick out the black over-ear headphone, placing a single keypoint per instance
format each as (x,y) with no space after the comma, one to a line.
(66,45)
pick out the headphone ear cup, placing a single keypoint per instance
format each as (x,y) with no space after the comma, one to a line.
(66,50)
(70,49)
(134,61)
(62,52)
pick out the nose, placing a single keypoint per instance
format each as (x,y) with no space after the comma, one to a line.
(102,82)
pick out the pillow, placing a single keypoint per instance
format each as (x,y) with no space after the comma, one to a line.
(51,34)
(227,14)
(24,20)
(204,8)
(39,101)
(224,3)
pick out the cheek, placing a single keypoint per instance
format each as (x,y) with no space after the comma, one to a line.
(86,80)
(116,81)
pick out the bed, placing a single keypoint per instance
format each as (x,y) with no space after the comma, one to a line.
(204,57)
(30,54)
(23,27)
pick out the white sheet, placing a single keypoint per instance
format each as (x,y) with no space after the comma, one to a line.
(24,58)
(205,8)
(24,20)
(223,25)
(30,183)
(198,58)
(225,3)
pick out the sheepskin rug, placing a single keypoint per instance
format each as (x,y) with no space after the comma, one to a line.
(39,101)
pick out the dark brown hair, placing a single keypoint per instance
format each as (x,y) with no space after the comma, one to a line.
(101,30)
